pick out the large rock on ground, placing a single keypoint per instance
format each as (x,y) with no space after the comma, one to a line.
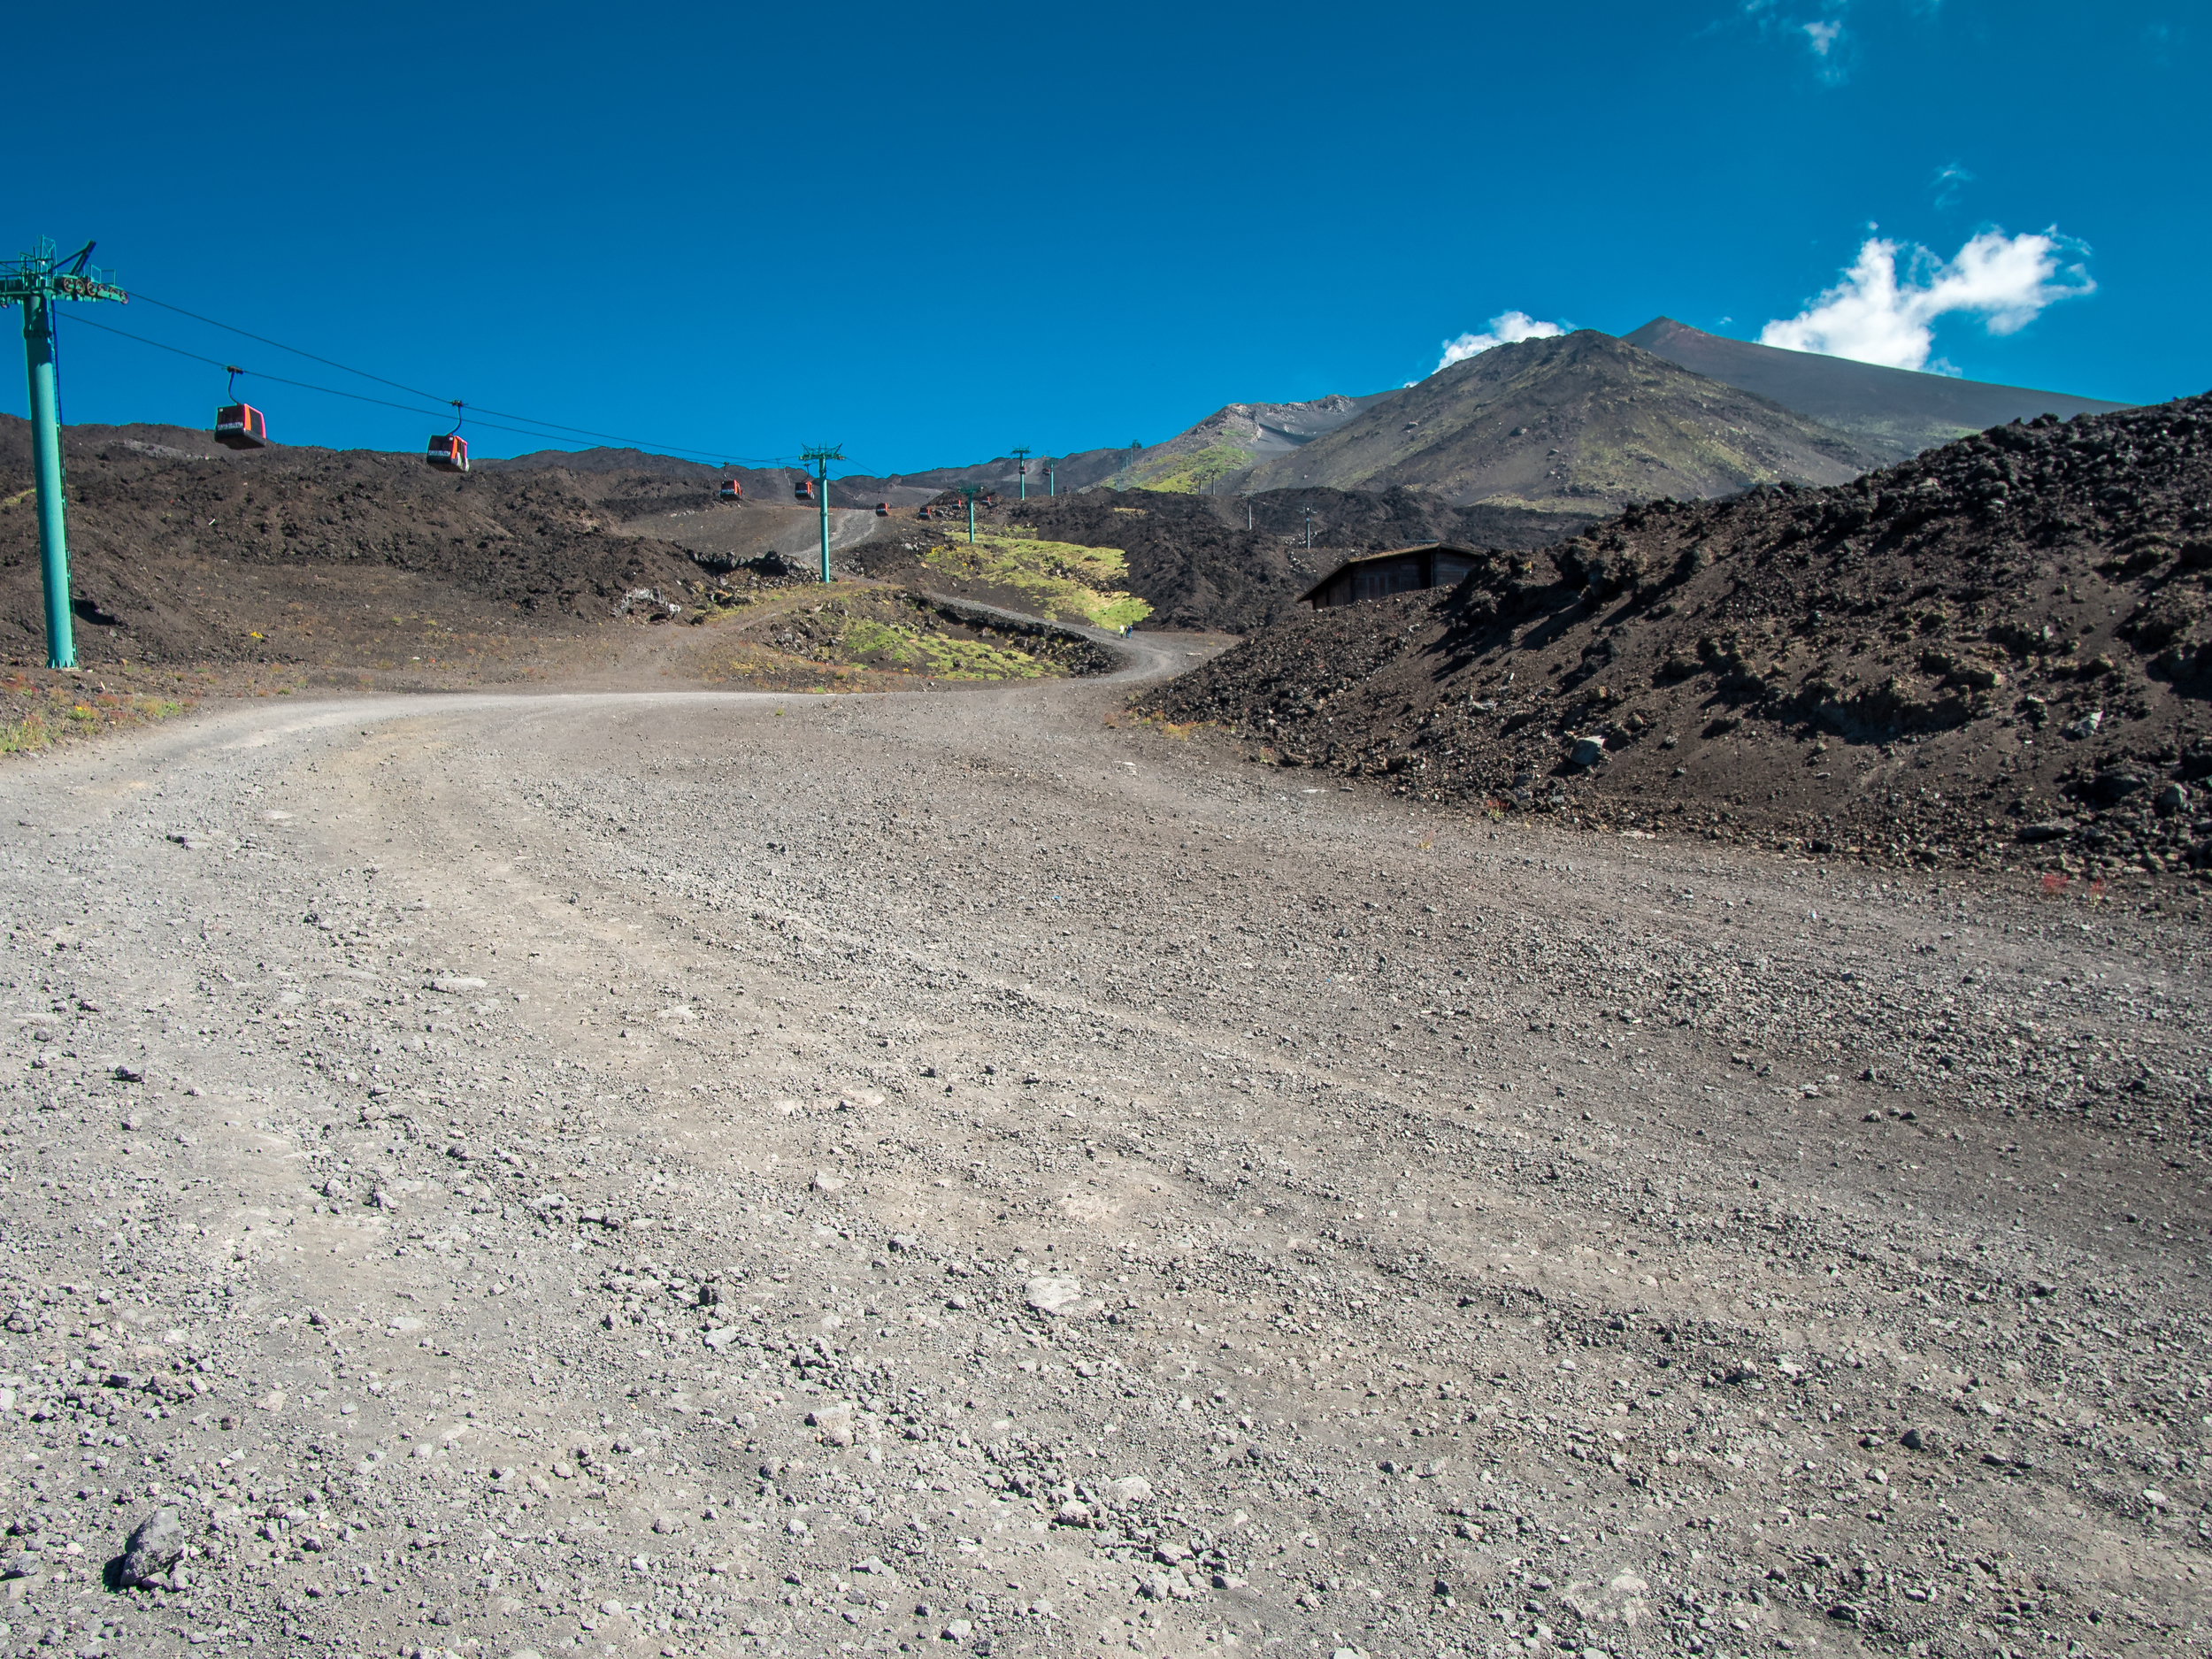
(154,1550)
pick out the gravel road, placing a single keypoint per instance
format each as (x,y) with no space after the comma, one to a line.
(715,1174)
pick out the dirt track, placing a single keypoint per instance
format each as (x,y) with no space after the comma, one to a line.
(697,1174)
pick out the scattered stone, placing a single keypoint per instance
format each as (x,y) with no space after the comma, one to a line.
(1061,1297)
(156,1546)
(834,1422)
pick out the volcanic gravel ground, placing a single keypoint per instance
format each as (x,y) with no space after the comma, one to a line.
(702,1174)
(1994,654)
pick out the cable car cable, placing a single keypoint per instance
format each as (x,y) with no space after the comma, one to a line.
(538,431)
(327,361)
(554,426)
(306,386)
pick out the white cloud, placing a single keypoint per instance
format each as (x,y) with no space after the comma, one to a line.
(1503,331)
(1825,37)
(1873,317)
(1949,181)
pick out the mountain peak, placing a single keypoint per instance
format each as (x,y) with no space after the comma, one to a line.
(1579,420)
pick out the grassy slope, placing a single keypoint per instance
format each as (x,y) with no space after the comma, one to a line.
(1192,471)
(1062,580)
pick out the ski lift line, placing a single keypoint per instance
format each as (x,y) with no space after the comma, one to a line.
(415,391)
(330,391)
(531,430)
(544,430)
(329,363)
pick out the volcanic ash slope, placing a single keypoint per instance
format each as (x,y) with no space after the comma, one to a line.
(1582,420)
(1993,652)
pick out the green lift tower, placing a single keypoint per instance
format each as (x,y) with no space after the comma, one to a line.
(822,455)
(35,281)
(970,491)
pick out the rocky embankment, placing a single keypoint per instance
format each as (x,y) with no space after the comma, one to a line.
(1994,654)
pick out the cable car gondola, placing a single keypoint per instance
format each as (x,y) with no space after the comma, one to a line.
(804,490)
(448,451)
(883,510)
(731,490)
(240,426)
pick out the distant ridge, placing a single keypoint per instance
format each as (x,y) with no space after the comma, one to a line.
(1894,412)
(603,460)
(1579,422)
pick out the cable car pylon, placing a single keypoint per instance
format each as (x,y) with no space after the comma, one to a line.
(822,455)
(35,281)
(970,491)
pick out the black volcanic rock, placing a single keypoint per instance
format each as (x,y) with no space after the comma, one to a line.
(1996,651)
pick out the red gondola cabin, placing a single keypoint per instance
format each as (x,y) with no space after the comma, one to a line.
(731,490)
(804,490)
(448,452)
(240,427)
(883,510)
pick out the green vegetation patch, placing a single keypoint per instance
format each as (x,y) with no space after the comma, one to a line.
(35,716)
(915,651)
(885,635)
(1059,580)
(1194,472)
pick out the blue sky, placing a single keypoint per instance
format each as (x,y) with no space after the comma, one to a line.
(934,234)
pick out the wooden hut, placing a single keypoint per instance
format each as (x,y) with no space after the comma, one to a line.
(1400,571)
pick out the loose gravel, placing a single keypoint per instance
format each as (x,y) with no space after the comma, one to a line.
(724,1174)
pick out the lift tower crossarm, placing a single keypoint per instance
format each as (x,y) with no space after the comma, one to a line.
(35,281)
(822,455)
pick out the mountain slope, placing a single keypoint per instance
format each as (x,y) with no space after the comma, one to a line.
(1579,420)
(1894,412)
(1000,475)
(1230,439)
(1234,438)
